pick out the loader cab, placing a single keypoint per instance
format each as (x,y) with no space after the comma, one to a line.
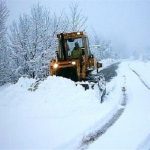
(66,44)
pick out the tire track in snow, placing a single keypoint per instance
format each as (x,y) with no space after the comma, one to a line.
(91,137)
(140,78)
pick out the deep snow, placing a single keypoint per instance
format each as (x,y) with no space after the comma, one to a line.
(50,117)
(59,114)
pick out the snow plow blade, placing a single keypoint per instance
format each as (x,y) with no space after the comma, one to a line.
(95,81)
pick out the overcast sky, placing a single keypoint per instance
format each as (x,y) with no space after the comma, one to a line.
(125,22)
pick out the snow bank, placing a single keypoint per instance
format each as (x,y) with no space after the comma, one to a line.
(49,117)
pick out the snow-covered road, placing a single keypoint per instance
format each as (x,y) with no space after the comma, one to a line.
(133,127)
(60,115)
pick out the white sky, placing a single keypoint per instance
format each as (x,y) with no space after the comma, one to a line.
(125,22)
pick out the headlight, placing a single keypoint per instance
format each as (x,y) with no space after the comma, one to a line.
(55,66)
(78,33)
(73,62)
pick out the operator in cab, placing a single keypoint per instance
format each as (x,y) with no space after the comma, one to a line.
(77,52)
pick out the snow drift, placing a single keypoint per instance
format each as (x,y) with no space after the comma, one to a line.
(56,112)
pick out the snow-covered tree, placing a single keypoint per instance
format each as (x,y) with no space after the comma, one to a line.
(3,18)
(33,41)
(30,38)
(101,48)
(4,62)
(77,21)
